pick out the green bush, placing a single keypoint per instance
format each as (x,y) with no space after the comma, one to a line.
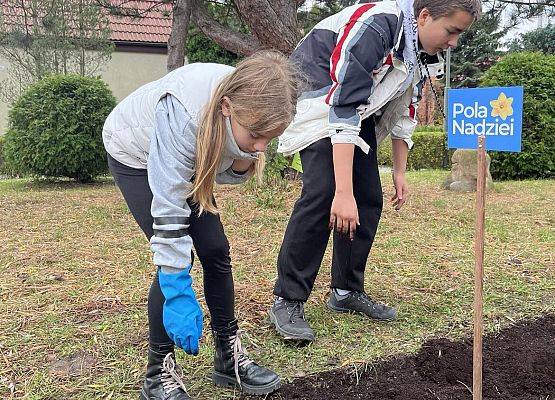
(2,161)
(1,153)
(536,72)
(55,128)
(429,128)
(5,170)
(428,152)
(272,191)
(276,163)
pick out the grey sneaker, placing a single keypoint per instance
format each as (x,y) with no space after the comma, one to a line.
(360,302)
(288,318)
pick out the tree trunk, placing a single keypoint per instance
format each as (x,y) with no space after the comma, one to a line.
(236,42)
(178,39)
(274,23)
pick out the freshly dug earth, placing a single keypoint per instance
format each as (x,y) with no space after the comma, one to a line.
(519,363)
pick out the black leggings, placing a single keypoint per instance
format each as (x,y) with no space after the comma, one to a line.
(209,241)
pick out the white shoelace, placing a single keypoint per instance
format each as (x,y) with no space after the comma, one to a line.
(240,355)
(172,376)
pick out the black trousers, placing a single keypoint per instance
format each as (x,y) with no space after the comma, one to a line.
(210,243)
(307,233)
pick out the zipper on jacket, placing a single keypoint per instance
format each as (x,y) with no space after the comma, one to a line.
(382,34)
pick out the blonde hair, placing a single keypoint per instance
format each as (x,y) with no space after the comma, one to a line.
(262,93)
(444,8)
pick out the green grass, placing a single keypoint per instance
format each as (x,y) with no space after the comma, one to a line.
(75,272)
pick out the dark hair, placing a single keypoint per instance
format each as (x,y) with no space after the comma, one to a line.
(444,8)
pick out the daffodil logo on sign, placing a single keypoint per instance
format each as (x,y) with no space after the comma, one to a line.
(494,112)
(502,107)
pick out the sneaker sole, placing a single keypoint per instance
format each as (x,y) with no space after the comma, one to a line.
(223,380)
(349,311)
(143,395)
(287,335)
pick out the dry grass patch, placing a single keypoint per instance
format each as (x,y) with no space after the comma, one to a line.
(75,272)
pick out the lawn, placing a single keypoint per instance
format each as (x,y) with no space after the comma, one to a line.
(75,271)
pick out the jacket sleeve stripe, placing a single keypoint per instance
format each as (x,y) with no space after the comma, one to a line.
(338,50)
(173,234)
(171,221)
(412,111)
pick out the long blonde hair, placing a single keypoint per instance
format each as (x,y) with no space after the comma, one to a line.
(262,93)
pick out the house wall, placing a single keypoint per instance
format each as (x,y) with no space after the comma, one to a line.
(130,67)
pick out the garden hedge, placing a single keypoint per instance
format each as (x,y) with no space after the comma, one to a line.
(55,128)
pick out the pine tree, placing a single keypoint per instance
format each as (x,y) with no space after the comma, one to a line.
(477,51)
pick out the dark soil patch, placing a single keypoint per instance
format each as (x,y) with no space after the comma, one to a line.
(519,364)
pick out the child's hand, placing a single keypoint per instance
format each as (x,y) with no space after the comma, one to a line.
(344,214)
(401,190)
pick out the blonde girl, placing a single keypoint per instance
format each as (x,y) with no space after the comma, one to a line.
(168,143)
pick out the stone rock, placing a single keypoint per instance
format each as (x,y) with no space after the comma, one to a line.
(76,364)
(464,172)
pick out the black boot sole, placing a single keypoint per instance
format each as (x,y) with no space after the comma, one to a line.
(287,335)
(350,311)
(223,380)
(143,396)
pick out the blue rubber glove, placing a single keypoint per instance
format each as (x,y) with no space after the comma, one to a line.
(182,315)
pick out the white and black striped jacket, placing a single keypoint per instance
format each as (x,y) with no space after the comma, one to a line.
(353,62)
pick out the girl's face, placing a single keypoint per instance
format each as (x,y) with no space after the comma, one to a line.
(443,32)
(249,142)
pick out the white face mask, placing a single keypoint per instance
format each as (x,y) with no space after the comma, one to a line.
(231,144)
(228,126)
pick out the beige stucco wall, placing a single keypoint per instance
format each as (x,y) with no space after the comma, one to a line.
(125,72)
(129,70)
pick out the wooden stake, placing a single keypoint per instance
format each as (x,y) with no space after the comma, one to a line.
(479,270)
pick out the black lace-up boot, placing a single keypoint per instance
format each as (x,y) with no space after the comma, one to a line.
(164,379)
(233,367)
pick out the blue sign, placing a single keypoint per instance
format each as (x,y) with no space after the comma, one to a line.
(493,112)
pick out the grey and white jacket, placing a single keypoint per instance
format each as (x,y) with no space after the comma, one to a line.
(154,128)
(360,62)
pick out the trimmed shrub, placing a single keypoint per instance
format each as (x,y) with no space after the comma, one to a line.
(2,153)
(2,161)
(536,72)
(5,170)
(428,151)
(55,128)
(384,152)
(429,128)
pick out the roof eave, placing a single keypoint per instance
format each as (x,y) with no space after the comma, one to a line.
(139,43)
